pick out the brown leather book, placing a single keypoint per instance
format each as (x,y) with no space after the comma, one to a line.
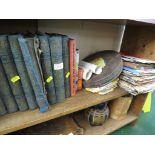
(72,57)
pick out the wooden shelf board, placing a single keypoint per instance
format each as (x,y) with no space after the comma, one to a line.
(108,127)
(19,120)
(59,126)
(142,22)
(133,22)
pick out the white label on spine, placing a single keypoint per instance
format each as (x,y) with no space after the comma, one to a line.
(58,66)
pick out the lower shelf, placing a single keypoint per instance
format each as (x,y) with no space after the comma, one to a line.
(60,126)
(108,127)
(19,120)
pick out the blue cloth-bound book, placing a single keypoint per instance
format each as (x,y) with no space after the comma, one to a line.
(11,73)
(33,46)
(21,68)
(65,54)
(2,108)
(6,93)
(47,68)
(55,42)
(34,75)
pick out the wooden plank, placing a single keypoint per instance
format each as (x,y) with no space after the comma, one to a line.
(133,22)
(63,125)
(139,41)
(108,127)
(83,100)
(142,21)
(137,104)
(108,21)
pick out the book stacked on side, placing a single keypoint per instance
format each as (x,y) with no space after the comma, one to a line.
(138,75)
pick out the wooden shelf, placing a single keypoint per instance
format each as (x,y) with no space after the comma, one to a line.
(83,100)
(133,22)
(108,127)
(141,22)
(60,126)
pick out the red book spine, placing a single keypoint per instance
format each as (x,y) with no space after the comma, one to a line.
(72,52)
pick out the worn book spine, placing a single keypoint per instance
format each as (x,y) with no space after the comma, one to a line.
(55,42)
(47,68)
(21,68)
(37,57)
(65,54)
(6,93)
(32,44)
(11,73)
(72,58)
(77,55)
(2,108)
(34,75)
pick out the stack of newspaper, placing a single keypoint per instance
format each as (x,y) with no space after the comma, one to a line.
(138,75)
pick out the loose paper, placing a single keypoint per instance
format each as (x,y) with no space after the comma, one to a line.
(58,66)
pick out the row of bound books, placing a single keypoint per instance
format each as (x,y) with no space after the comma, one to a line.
(36,71)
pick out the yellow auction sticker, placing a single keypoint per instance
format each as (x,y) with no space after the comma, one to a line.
(15,79)
(67,75)
(49,79)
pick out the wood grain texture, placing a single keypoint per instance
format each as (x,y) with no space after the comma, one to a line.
(137,104)
(83,100)
(139,41)
(142,21)
(60,126)
(134,22)
(108,127)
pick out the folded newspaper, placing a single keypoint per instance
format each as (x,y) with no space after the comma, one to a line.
(138,75)
(138,89)
(137,60)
